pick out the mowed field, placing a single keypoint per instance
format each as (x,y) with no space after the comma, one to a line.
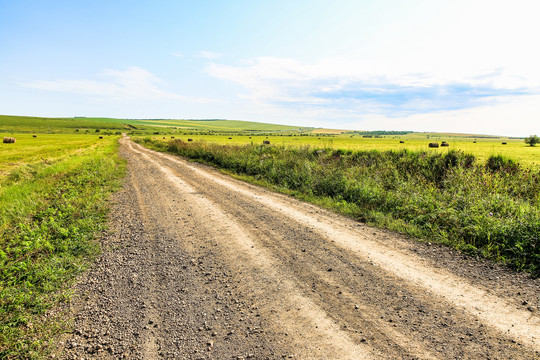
(44,148)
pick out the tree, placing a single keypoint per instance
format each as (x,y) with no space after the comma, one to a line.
(532,140)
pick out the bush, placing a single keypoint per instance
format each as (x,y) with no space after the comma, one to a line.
(532,140)
(500,163)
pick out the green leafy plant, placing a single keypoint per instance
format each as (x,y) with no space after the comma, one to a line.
(532,140)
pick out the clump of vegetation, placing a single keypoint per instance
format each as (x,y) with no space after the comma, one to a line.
(50,213)
(490,209)
(532,140)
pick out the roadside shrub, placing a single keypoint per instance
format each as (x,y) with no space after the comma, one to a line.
(500,163)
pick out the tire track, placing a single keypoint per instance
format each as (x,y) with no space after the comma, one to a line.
(521,326)
(501,317)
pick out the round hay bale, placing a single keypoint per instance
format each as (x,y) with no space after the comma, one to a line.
(266,142)
(101,137)
(445,144)
(402,142)
(34,135)
(190,139)
(504,143)
(9,140)
(433,145)
(172,137)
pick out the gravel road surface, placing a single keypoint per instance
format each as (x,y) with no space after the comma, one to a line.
(198,265)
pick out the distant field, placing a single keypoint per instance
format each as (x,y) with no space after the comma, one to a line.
(222,130)
(37,124)
(224,125)
(482,149)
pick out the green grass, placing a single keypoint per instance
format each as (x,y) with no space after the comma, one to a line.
(482,149)
(45,148)
(487,208)
(50,213)
(20,124)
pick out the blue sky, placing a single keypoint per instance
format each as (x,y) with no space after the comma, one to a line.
(462,66)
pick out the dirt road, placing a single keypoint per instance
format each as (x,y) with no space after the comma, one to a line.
(202,266)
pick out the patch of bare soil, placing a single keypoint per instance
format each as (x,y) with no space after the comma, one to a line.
(201,266)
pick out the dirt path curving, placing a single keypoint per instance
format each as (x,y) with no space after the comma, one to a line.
(201,266)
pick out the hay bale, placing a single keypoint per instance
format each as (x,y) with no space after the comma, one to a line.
(474,142)
(9,140)
(190,139)
(172,137)
(266,142)
(164,137)
(504,143)
(433,145)
(402,142)
(444,144)
(230,138)
(101,137)
(34,135)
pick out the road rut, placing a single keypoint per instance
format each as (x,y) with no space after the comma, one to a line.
(201,266)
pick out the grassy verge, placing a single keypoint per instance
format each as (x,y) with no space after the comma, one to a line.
(49,215)
(490,209)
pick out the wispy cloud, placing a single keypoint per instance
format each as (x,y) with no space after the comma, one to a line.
(134,83)
(177,54)
(343,86)
(209,55)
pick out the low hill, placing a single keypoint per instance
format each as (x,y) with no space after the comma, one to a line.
(10,123)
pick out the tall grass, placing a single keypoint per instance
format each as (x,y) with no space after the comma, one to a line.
(490,209)
(49,216)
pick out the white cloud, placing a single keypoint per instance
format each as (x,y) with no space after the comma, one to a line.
(177,54)
(342,81)
(349,93)
(209,55)
(134,83)
(513,116)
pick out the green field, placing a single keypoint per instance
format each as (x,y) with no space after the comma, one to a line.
(53,203)
(245,132)
(9,124)
(45,148)
(483,148)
